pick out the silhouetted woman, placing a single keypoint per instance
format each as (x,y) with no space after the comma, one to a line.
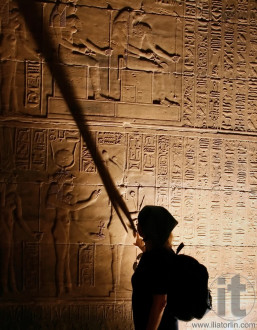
(152,279)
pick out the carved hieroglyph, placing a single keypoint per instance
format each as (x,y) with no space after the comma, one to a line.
(159,82)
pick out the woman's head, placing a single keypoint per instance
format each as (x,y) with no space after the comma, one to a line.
(155,224)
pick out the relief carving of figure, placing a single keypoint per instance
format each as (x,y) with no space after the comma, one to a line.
(62,201)
(11,213)
(13,35)
(134,48)
(74,50)
(143,45)
(118,235)
(60,198)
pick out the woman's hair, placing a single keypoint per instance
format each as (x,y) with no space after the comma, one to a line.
(156,224)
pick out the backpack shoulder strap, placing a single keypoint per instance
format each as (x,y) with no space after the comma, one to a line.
(180,247)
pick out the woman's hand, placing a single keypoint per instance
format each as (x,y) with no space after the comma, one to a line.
(140,243)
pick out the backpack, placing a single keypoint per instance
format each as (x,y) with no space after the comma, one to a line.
(189,297)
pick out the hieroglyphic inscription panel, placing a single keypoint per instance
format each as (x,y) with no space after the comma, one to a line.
(219,71)
(33,86)
(92,315)
(31,149)
(159,82)
(86,266)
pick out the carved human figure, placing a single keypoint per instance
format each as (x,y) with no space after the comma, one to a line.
(11,213)
(60,198)
(143,45)
(134,47)
(118,236)
(13,35)
(79,51)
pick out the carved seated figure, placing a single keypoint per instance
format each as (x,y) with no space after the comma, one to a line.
(134,48)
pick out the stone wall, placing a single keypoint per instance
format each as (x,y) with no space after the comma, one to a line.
(168,89)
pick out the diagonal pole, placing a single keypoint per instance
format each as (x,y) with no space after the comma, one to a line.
(31,12)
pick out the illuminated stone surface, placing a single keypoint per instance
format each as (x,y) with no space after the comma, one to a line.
(169,89)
